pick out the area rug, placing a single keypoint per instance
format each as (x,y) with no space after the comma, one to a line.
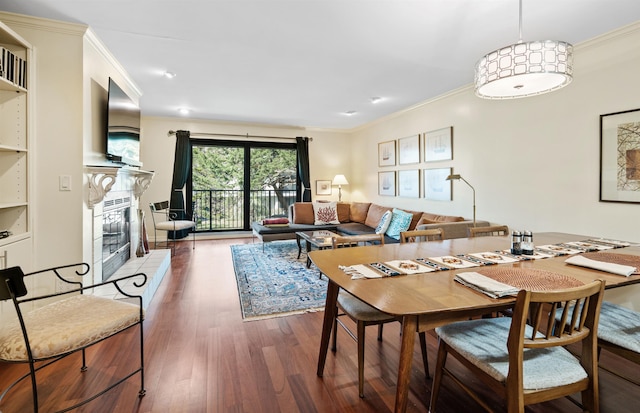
(274,282)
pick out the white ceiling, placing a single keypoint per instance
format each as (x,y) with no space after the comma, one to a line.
(307,62)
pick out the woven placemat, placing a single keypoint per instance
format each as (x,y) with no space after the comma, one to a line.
(530,279)
(615,258)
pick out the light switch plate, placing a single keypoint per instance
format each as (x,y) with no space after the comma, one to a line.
(65,182)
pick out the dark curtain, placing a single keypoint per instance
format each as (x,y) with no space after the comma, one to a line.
(181,168)
(302,146)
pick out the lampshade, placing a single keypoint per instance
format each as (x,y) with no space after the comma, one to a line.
(524,69)
(340,180)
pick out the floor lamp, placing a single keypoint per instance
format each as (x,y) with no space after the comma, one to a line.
(340,180)
(455,177)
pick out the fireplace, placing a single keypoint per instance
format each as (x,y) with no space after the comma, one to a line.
(116,234)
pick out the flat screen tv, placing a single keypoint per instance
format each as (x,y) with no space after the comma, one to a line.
(123,127)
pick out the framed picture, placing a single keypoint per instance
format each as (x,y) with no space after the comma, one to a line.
(323,187)
(438,145)
(436,186)
(620,157)
(387,153)
(409,150)
(387,183)
(409,183)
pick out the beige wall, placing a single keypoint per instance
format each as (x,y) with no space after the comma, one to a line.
(534,162)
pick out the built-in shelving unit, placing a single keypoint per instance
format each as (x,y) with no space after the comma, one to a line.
(15,160)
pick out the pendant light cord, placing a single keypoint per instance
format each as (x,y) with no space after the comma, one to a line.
(520,23)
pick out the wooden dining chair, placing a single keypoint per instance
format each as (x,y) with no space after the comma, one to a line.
(527,364)
(360,312)
(420,235)
(618,333)
(490,231)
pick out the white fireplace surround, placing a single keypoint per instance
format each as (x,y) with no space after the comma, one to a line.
(108,183)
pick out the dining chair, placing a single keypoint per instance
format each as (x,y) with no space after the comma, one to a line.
(360,312)
(167,219)
(50,327)
(618,333)
(527,363)
(434,234)
(490,231)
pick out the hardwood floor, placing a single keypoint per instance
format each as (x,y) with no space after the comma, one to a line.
(201,357)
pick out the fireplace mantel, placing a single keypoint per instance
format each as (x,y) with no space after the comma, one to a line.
(102,178)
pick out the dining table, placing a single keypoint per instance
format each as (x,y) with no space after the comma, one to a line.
(427,300)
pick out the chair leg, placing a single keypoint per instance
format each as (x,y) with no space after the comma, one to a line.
(361,338)
(334,344)
(423,348)
(437,375)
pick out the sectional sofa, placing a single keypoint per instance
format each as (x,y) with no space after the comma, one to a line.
(359,218)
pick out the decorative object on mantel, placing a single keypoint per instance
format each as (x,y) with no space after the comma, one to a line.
(340,180)
(455,177)
(620,157)
(524,68)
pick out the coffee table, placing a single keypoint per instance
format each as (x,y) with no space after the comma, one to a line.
(319,239)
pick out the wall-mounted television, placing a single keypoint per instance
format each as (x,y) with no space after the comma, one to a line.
(123,127)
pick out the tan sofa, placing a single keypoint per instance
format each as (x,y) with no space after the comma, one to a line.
(361,218)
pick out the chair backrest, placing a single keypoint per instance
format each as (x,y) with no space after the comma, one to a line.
(580,308)
(357,240)
(434,234)
(490,231)
(12,283)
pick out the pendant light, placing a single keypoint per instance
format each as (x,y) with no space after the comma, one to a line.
(524,69)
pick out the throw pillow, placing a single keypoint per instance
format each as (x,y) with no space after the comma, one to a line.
(384,223)
(325,213)
(303,213)
(399,222)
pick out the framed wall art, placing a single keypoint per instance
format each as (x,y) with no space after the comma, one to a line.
(387,153)
(323,187)
(620,157)
(387,183)
(409,183)
(436,186)
(409,150)
(438,145)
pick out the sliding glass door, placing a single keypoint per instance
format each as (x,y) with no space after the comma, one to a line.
(233,183)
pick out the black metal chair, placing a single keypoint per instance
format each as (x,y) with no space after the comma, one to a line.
(50,327)
(166,219)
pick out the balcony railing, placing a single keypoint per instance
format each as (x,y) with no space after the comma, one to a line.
(224,209)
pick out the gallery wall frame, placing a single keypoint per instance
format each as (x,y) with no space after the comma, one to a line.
(387,183)
(436,186)
(438,145)
(409,150)
(323,187)
(620,157)
(409,183)
(387,153)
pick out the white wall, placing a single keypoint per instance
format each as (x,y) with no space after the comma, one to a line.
(534,162)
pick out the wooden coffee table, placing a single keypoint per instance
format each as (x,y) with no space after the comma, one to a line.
(320,239)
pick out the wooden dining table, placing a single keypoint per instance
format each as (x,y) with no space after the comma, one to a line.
(427,300)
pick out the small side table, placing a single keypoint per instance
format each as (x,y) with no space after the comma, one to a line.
(318,239)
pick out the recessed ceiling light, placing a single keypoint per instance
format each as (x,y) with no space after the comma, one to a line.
(169,75)
(376,99)
(350,113)
(183,111)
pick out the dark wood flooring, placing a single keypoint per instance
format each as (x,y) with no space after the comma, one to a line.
(201,357)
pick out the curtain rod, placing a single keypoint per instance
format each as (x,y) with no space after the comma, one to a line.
(171,132)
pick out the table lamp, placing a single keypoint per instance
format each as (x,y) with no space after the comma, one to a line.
(340,180)
(455,177)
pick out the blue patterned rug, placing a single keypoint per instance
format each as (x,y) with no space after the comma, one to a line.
(275,283)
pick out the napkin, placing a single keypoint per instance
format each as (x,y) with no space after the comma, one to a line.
(360,271)
(619,269)
(485,285)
